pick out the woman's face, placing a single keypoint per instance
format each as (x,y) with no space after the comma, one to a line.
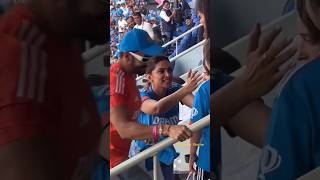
(203,22)
(307,48)
(202,19)
(161,76)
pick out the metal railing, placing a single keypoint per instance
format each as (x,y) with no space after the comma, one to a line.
(175,40)
(153,150)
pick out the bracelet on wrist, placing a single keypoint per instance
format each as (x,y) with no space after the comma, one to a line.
(155,134)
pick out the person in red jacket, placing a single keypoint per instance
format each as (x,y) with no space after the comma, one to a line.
(49,125)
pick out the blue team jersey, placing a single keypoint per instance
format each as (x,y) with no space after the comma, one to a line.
(201,108)
(293,140)
(171,117)
(219,80)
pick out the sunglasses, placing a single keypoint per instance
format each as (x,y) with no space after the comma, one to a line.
(140,58)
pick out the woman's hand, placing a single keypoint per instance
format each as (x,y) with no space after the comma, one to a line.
(265,57)
(193,81)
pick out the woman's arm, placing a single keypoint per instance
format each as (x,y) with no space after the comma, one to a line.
(251,123)
(163,105)
(153,107)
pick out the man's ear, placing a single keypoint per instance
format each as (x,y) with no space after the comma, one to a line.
(127,58)
(149,77)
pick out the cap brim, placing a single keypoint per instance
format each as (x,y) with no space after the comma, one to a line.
(154,50)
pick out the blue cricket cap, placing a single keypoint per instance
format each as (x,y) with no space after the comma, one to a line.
(138,40)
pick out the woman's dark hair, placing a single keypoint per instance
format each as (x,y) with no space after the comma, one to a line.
(315,4)
(207,55)
(153,61)
(165,1)
(202,6)
(305,18)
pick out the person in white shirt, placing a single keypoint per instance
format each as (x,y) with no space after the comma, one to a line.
(140,24)
(122,24)
(167,24)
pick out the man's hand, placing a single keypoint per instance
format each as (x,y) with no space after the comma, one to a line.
(177,132)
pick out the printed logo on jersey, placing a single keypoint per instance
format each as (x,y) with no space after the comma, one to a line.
(166,121)
(270,161)
(194,112)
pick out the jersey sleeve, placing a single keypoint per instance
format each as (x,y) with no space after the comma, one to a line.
(200,106)
(21,99)
(118,83)
(145,94)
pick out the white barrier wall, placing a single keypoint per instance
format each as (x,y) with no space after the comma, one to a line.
(94,62)
(232,19)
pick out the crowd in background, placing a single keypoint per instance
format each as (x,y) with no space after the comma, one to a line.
(162,20)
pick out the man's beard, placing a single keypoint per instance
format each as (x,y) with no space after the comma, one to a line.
(140,70)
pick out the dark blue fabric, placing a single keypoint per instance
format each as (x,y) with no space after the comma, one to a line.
(293,138)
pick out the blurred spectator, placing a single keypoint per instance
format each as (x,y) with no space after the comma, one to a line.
(167,24)
(189,23)
(131,23)
(122,24)
(153,22)
(141,24)
(185,8)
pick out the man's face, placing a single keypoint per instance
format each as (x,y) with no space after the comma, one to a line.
(130,22)
(137,19)
(134,65)
(88,19)
(136,9)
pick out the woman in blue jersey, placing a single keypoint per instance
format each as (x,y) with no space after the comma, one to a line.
(201,139)
(293,149)
(160,106)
